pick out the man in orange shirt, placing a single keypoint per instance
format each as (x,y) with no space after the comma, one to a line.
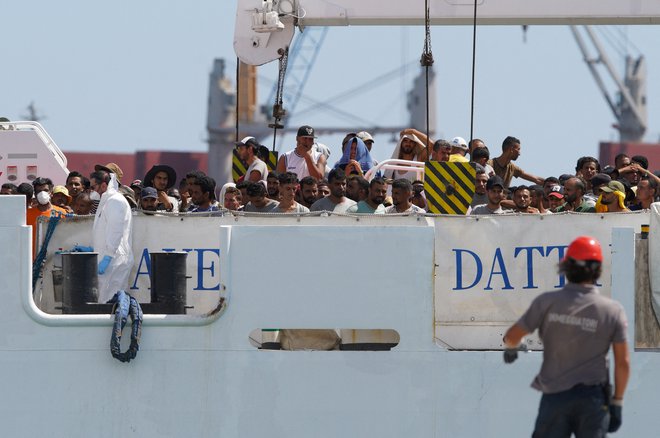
(42,191)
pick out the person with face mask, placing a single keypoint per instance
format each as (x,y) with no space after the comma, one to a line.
(43,207)
(112,235)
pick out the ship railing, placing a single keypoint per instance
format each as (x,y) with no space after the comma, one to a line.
(396,164)
(43,135)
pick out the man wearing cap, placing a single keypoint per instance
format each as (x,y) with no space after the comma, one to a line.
(162,177)
(303,161)
(247,150)
(577,325)
(459,149)
(555,197)
(366,138)
(597,181)
(149,199)
(496,194)
(504,167)
(612,198)
(61,198)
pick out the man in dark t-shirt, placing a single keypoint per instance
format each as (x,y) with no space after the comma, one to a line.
(577,326)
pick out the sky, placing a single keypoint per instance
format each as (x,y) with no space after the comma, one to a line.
(126,76)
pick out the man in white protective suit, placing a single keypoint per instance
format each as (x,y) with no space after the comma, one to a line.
(112,233)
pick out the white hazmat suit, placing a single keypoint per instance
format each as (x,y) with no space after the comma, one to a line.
(112,231)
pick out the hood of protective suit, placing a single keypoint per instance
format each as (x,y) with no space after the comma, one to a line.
(362,155)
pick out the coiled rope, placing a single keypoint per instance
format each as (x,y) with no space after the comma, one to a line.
(125,306)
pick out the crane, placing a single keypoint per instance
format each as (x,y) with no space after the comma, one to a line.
(629,105)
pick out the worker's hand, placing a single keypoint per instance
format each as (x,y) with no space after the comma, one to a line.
(165,200)
(81,248)
(510,355)
(105,262)
(616,417)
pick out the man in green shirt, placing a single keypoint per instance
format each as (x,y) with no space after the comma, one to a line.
(574,189)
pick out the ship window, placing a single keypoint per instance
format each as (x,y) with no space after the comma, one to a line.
(324,339)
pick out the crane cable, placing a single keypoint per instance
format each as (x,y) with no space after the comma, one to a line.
(474,51)
(278,109)
(238,96)
(427,61)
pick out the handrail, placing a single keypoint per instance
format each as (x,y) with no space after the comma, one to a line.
(41,132)
(396,164)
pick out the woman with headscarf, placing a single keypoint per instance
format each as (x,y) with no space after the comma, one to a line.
(356,158)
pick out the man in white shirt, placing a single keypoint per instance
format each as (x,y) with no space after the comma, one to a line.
(402,193)
(247,150)
(303,160)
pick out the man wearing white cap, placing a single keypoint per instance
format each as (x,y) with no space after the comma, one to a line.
(303,160)
(257,169)
(366,138)
(459,149)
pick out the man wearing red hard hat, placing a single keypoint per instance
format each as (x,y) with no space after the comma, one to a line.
(577,326)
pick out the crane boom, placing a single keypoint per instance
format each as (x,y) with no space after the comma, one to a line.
(257,39)
(630,108)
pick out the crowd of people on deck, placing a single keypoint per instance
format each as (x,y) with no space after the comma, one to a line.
(304,182)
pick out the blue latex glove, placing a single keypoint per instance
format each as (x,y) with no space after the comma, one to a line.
(80,248)
(105,262)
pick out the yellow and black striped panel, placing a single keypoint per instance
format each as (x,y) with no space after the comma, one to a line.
(449,187)
(272,160)
(238,167)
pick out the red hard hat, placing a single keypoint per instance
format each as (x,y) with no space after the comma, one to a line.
(585,248)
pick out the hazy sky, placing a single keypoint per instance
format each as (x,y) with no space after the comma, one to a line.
(126,76)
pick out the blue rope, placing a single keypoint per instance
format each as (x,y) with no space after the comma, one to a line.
(125,306)
(40,260)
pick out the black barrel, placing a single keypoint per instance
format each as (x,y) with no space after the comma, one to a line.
(168,281)
(80,282)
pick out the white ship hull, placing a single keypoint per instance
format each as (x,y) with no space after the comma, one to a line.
(200,376)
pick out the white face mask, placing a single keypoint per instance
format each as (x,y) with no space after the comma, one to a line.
(94,196)
(43,197)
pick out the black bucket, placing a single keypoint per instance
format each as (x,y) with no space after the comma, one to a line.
(80,282)
(168,281)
